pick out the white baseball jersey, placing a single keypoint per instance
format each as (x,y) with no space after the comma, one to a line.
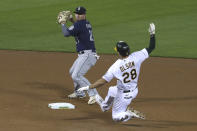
(127,70)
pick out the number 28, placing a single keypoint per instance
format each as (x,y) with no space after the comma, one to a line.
(132,74)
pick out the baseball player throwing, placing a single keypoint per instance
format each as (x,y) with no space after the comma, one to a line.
(81,30)
(126,70)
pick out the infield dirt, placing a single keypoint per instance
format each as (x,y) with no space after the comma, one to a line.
(31,80)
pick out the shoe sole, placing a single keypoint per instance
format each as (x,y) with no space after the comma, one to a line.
(92,102)
(139,114)
(79,97)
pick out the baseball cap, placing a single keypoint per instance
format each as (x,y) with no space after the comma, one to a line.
(80,10)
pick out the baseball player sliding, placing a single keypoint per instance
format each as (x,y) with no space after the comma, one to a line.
(87,57)
(126,70)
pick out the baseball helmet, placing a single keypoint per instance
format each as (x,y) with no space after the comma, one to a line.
(122,48)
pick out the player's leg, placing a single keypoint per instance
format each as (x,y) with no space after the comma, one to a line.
(80,65)
(109,99)
(89,63)
(71,72)
(91,92)
(121,102)
(84,63)
(120,113)
(75,94)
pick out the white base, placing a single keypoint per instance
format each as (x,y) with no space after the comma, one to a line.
(61,105)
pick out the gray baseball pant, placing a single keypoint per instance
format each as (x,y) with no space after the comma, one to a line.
(79,68)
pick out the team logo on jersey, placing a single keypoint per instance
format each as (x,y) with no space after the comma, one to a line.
(88,26)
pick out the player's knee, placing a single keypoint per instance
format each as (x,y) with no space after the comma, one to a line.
(111,88)
(74,77)
(121,117)
(112,91)
(70,72)
(116,119)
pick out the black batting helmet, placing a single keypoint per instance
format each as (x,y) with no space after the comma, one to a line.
(122,48)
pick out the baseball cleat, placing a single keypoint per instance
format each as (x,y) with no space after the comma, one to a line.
(92,100)
(136,114)
(75,95)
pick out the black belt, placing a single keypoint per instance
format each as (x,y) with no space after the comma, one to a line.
(82,52)
(126,91)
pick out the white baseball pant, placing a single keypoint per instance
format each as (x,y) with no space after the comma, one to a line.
(119,102)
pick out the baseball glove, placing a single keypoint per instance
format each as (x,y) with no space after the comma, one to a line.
(64,16)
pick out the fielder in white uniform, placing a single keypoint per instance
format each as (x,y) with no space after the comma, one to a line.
(126,70)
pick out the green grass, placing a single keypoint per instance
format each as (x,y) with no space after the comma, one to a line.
(31,25)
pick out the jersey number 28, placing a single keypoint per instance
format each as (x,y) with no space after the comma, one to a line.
(132,75)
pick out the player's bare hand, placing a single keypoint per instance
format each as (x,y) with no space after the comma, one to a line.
(152,29)
(83,89)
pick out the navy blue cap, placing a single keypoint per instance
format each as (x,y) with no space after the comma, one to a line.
(80,10)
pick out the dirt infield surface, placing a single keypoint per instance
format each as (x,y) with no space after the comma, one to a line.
(31,80)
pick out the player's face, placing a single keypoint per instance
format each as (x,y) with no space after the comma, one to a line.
(76,16)
(79,17)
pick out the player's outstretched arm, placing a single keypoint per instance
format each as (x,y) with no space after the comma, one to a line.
(152,38)
(97,84)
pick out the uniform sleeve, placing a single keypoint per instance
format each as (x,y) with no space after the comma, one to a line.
(109,74)
(73,29)
(65,30)
(141,55)
(145,53)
